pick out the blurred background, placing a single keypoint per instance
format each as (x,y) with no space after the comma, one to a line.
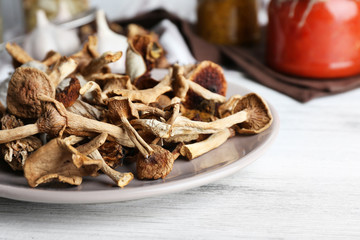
(18,16)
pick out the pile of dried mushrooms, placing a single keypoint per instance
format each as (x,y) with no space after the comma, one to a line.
(70,117)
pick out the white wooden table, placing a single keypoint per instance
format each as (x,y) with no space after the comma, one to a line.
(306,186)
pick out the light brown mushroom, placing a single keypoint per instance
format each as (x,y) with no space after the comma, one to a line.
(251,115)
(147,96)
(18,53)
(93,93)
(91,149)
(227,108)
(112,81)
(51,122)
(57,119)
(51,58)
(206,75)
(194,150)
(27,83)
(87,53)
(123,108)
(183,125)
(61,70)
(259,116)
(16,152)
(98,63)
(65,163)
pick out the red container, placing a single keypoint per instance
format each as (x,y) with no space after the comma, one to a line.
(314,38)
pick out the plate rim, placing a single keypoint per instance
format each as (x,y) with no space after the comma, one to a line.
(126,194)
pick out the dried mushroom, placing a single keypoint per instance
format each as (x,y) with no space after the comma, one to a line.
(147,96)
(65,164)
(90,148)
(258,118)
(16,152)
(158,165)
(104,118)
(194,150)
(56,119)
(24,87)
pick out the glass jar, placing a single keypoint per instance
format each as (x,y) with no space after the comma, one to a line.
(228,22)
(314,38)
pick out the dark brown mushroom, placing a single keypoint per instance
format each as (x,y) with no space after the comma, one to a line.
(24,87)
(158,165)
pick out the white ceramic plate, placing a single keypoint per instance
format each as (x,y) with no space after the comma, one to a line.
(229,158)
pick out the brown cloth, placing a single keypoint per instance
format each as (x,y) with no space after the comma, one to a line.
(250,60)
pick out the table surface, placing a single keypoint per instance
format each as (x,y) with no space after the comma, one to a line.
(305,186)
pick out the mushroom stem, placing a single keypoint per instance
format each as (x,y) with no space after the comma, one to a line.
(10,135)
(121,179)
(61,72)
(142,146)
(90,148)
(94,144)
(153,110)
(218,125)
(203,92)
(184,126)
(77,123)
(147,95)
(96,64)
(194,150)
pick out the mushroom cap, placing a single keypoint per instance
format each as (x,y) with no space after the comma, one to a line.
(24,87)
(259,115)
(121,107)
(64,163)
(158,165)
(210,76)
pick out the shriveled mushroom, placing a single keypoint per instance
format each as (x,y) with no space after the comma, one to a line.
(259,116)
(61,70)
(51,58)
(56,119)
(206,74)
(194,150)
(93,93)
(147,95)
(187,89)
(123,108)
(51,122)
(88,53)
(98,63)
(158,165)
(113,153)
(27,83)
(227,108)
(183,125)
(16,152)
(90,148)
(24,87)
(112,81)
(19,55)
(65,163)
